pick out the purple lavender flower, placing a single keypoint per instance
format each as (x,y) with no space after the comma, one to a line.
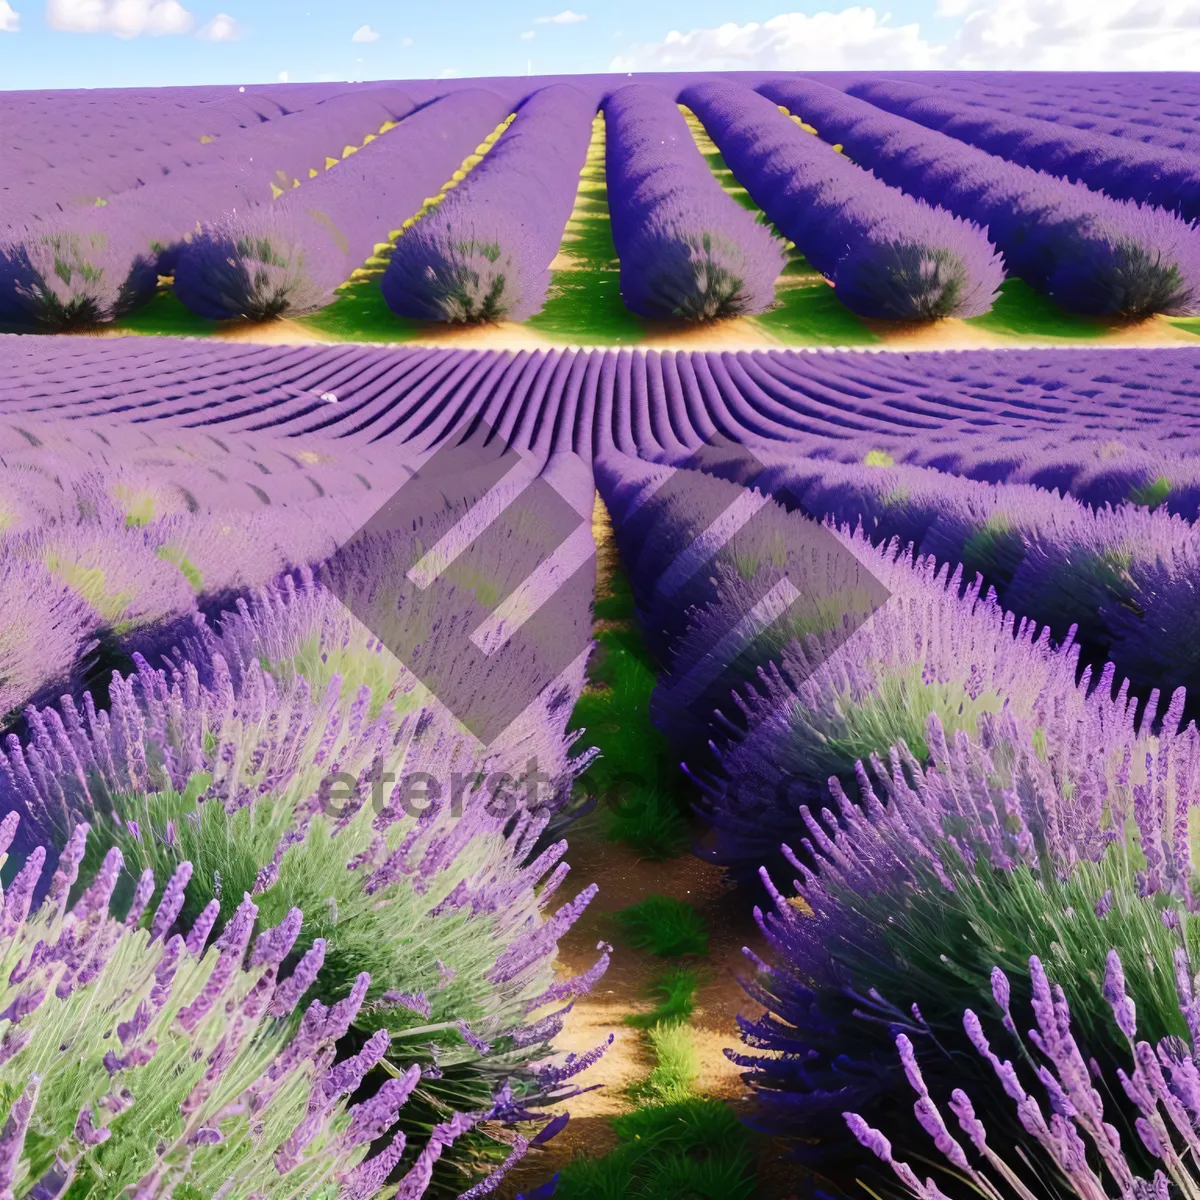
(1088,252)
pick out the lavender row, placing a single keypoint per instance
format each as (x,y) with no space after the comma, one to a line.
(287,257)
(286,148)
(688,251)
(1119,168)
(114,157)
(1169,119)
(766,699)
(485,253)
(1108,425)
(888,256)
(468,1007)
(95,264)
(1089,253)
(142,537)
(1126,581)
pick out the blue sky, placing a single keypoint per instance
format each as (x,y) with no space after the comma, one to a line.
(106,43)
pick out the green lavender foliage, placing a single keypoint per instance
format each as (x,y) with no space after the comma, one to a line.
(941,945)
(63,1040)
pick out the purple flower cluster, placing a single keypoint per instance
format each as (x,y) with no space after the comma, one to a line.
(887,255)
(1119,167)
(1077,1140)
(1088,252)
(258,1097)
(688,251)
(265,260)
(485,253)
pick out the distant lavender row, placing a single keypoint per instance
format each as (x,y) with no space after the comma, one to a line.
(280,150)
(1089,253)
(1120,168)
(1127,580)
(888,256)
(1108,425)
(1167,118)
(688,251)
(485,253)
(269,259)
(74,144)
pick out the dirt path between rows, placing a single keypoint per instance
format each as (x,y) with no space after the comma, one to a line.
(625,879)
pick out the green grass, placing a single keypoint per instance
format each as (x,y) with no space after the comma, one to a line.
(677,1067)
(636,775)
(618,604)
(1020,312)
(664,926)
(648,821)
(675,1000)
(691,1149)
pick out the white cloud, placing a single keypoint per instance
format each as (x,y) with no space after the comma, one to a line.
(283,77)
(125,18)
(850,39)
(222,28)
(10,21)
(528,35)
(566,17)
(364,33)
(1035,35)
(406,41)
(1071,35)
(449,73)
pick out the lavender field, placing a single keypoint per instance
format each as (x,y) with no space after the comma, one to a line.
(775,497)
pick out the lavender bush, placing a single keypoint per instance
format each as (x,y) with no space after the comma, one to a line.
(287,257)
(63,275)
(222,1077)
(1015,843)
(688,251)
(484,254)
(888,256)
(1078,1145)
(226,763)
(1089,253)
